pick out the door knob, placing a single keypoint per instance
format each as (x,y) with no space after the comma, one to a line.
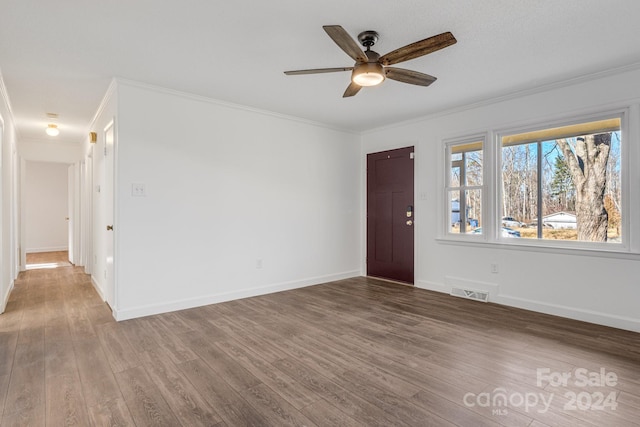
(109,227)
(409,222)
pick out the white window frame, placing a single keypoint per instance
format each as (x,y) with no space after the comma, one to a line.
(629,248)
(624,246)
(468,139)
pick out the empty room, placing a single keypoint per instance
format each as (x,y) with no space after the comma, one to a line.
(419,213)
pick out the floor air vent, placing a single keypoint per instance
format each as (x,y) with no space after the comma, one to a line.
(470,294)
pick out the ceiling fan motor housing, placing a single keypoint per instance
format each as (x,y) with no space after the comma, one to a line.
(368,38)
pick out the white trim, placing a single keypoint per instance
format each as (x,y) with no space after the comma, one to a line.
(590,316)
(152,309)
(596,317)
(447,144)
(619,111)
(96,286)
(47,249)
(545,246)
(5,95)
(111,90)
(200,98)
(5,299)
(432,286)
(111,168)
(509,96)
(492,196)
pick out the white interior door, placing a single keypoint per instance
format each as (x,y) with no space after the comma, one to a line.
(109,164)
(70,214)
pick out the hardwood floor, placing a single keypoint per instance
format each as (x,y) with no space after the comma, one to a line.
(358,352)
(37,260)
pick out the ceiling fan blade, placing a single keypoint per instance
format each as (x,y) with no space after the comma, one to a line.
(345,42)
(317,71)
(351,90)
(408,76)
(417,49)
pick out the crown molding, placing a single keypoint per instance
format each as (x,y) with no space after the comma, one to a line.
(111,90)
(225,104)
(511,95)
(7,101)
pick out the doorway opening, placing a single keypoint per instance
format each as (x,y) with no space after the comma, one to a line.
(40,260)
(46,214)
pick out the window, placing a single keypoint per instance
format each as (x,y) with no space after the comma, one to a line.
(563,183)
(464,186)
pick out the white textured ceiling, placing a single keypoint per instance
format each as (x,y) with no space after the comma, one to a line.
(60,56)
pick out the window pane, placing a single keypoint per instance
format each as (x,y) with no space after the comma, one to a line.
(464,204)
(613,191)
(454,212)
(559,195)
(473,200)
(454,179)
(465,215)
(519,185)
(573,192)
(473,167)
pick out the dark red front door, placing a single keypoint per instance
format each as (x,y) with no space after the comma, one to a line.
(390,214)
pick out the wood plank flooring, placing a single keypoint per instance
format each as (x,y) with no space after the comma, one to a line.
(358,352)
(38,260)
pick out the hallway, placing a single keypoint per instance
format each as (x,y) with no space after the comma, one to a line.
(53,315)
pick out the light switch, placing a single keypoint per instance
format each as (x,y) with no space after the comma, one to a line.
(138,190)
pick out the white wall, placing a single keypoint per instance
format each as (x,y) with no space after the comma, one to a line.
(46,206)
(594,288)
(238,202)
(50,151)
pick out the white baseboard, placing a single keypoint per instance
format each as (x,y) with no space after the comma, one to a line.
(5,297)
(148,310)
(96,286)
(589,316)
(49,249)
(431,286)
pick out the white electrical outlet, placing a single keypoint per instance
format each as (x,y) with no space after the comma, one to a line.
(259,263)
(494,268)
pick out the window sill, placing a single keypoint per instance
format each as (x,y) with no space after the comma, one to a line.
(617,252)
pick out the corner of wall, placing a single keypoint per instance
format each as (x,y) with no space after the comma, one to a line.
(5,297)
(148,310)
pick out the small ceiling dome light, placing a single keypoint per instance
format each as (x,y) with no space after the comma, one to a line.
(368,74)
(52,130)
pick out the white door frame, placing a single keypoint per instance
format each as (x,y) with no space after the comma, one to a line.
(109,214)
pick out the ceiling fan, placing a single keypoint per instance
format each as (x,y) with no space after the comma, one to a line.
(370,68)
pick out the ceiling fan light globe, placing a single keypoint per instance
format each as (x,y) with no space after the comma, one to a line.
(369,74)
(52,130)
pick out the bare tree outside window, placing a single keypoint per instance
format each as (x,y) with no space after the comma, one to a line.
(565,183)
